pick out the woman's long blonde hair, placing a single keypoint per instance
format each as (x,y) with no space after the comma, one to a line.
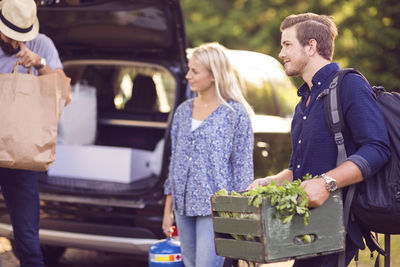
(215,59)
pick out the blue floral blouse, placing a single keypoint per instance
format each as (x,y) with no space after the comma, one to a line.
(218,154)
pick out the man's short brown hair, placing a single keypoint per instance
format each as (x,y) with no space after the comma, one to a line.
(313,26)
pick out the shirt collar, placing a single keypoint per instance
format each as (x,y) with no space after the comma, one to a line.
(319,77)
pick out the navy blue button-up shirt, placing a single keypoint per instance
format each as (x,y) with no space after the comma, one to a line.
(366,140)
(314,150)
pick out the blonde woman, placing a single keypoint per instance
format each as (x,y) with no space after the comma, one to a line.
(212,148)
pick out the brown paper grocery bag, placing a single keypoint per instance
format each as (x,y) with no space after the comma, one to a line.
(30,107)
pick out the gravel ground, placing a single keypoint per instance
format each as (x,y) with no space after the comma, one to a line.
(88,258)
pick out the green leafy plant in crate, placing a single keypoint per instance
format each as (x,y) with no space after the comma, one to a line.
(288,199)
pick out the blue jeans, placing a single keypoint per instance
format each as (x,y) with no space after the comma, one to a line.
(21,194)
(197,241)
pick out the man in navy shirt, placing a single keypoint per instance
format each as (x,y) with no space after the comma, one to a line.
(307,50)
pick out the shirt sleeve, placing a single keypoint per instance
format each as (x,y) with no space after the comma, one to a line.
(174,129)
(242,153)
(44,47)
(290,166)
(49,51)
(366,124)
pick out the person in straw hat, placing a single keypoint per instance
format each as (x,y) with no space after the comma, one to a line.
(21,42)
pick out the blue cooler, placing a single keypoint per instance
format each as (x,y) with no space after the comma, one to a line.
(166,252)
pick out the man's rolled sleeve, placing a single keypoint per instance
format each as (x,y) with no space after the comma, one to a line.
(362,164)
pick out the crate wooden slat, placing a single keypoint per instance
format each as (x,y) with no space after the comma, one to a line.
(240,249)
(229,203)
(240,227)
(272,240)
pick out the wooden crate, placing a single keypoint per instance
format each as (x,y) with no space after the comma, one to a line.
(268,239)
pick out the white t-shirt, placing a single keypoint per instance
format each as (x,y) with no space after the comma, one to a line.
(195,124)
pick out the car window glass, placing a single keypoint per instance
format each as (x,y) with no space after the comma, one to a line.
(275,97)
(267,88)
(127,90)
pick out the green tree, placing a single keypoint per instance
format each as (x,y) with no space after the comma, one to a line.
(369,32)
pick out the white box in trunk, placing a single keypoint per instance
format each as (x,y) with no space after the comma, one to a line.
(105,163)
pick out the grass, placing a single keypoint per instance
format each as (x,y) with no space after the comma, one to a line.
(366,261)
(364,256)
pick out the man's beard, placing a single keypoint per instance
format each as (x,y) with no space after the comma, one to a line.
(297,68)
(8,49)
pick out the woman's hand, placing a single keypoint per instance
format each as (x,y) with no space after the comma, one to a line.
(280,178)
(168,218)
(260,181)
(168,222)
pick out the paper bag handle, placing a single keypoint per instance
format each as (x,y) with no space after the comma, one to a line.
(15,69)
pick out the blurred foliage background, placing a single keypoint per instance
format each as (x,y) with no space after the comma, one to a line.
(369,40)
(369,30)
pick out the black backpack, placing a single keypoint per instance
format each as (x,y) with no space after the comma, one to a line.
(375,202)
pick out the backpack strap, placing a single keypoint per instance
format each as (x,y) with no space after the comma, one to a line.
(387,250)
(334,118)
(385,253)
(334,113)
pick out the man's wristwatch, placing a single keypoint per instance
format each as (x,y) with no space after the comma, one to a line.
(331,184)
(42,64)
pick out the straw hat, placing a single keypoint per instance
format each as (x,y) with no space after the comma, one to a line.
(18,19)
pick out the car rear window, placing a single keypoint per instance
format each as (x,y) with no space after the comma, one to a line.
(133,100)
(126,89)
